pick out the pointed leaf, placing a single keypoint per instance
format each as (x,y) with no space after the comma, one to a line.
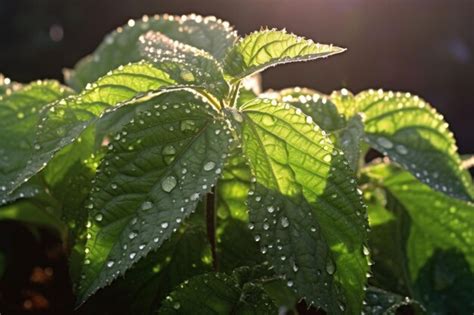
(413,134)
(219,293)
(155,172)
(260,50)
(304,208)
(19,113)
(65,120)
(120,47)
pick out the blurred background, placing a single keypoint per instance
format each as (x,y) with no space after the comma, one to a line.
(422,46)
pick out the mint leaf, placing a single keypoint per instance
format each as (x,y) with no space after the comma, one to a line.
(304,208)
(219,293)
(19,112)
(413,134)
(260,50)
(120,47)
(156,170)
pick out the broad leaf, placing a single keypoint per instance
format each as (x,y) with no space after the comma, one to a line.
(219,293)
(19,112)
(304,208)
(156,170)
(65,120)
(120,47)
(260,50)
(439,248)
(413,134)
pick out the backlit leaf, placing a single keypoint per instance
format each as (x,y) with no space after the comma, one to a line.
(260,50)
(305,211)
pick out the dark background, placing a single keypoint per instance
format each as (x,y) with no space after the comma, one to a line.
(422,46)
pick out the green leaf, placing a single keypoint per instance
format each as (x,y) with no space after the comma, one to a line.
(439,247)
(413,134)
(260,50)
(219,293)
(380,302)
(120,47)
(194,66)
(316,105)
(304,207)
(156,170)
(19,113)
(66,119)
(147,283)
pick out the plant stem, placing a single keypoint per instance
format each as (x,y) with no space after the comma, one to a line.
(211,225)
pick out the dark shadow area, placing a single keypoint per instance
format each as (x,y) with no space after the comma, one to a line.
(447,283)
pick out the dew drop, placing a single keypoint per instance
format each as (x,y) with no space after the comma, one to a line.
(401,149)
(164,225)
(365,250)
(99,217)
(132,235)
(187,75)
(147,205)
(270,209)
(169,183)
(209,166)
(176,305)
(289,283)
(132,255)
(257,238)
(384,142)
(110,264)
(284,222)
(330,267)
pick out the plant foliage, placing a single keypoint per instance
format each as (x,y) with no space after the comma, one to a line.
(178,187)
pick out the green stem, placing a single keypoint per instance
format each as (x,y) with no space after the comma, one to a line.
(211,215)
